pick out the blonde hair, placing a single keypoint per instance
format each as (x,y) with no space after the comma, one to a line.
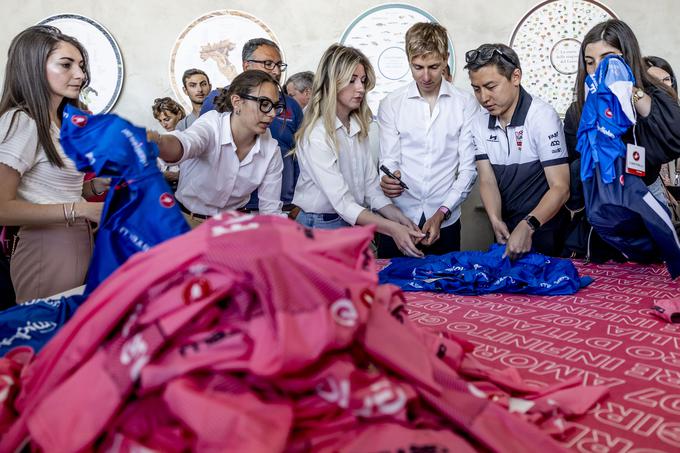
(333,74)
(424,38)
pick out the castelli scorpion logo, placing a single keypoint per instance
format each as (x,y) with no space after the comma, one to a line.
(79,120)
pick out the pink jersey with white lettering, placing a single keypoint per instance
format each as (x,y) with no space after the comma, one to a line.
(256,334)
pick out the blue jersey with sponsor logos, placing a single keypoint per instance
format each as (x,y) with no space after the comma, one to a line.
(607,114)
(140,210)
(471,273)
(34,323)
(619,205)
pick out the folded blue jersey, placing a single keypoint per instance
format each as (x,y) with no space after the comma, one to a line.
(471,273)
(35,322)
(140,210)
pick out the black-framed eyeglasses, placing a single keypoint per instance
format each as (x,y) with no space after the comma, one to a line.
(269,64)
(266,105)
(484,54)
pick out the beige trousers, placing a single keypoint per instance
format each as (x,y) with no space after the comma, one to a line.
(192,220)
(50,259)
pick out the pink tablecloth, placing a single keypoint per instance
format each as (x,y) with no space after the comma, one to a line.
(605,333)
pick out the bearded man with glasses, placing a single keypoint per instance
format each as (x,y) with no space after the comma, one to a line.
(521,155)
(264,55)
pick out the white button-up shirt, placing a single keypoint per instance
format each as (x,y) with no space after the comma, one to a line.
(434,152)
(213,180)
(344,182)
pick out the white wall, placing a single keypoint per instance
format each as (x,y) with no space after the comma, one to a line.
(146,32)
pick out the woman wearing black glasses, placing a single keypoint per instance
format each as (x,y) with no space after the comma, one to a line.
(228,153)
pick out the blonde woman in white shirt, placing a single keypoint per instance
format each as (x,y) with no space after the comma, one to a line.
(338,184)
(229,152)
(40,189)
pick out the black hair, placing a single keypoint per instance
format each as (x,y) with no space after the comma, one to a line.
(503,57)
(619,35)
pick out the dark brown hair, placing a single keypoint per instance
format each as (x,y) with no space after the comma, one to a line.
(192,72)
(619,35)
(658,62)
(246,83)
(26,87)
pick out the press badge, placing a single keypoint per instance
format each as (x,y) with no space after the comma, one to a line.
(635,160)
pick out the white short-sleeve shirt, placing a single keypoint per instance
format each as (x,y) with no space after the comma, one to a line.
(41,181)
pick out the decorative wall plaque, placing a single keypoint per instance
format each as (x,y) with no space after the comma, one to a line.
(548,39)
(213,43)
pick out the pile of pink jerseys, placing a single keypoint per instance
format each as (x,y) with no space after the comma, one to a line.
(254,334)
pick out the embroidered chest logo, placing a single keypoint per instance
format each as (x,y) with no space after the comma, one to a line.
(519,136)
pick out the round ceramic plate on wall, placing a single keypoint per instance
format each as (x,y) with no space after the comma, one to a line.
(379,33)
(548,39)
(213,43)
(104,58)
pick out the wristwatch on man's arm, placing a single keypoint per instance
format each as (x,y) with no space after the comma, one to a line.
(533,222)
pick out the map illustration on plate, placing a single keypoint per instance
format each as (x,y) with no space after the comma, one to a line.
(379,33)
(213,43)
(548,39)
(104,58)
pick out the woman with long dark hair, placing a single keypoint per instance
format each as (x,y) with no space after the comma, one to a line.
(661,70)
(40,188)
(658,113)
(657,128)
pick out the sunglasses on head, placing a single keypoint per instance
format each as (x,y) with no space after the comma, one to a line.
(483,55)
